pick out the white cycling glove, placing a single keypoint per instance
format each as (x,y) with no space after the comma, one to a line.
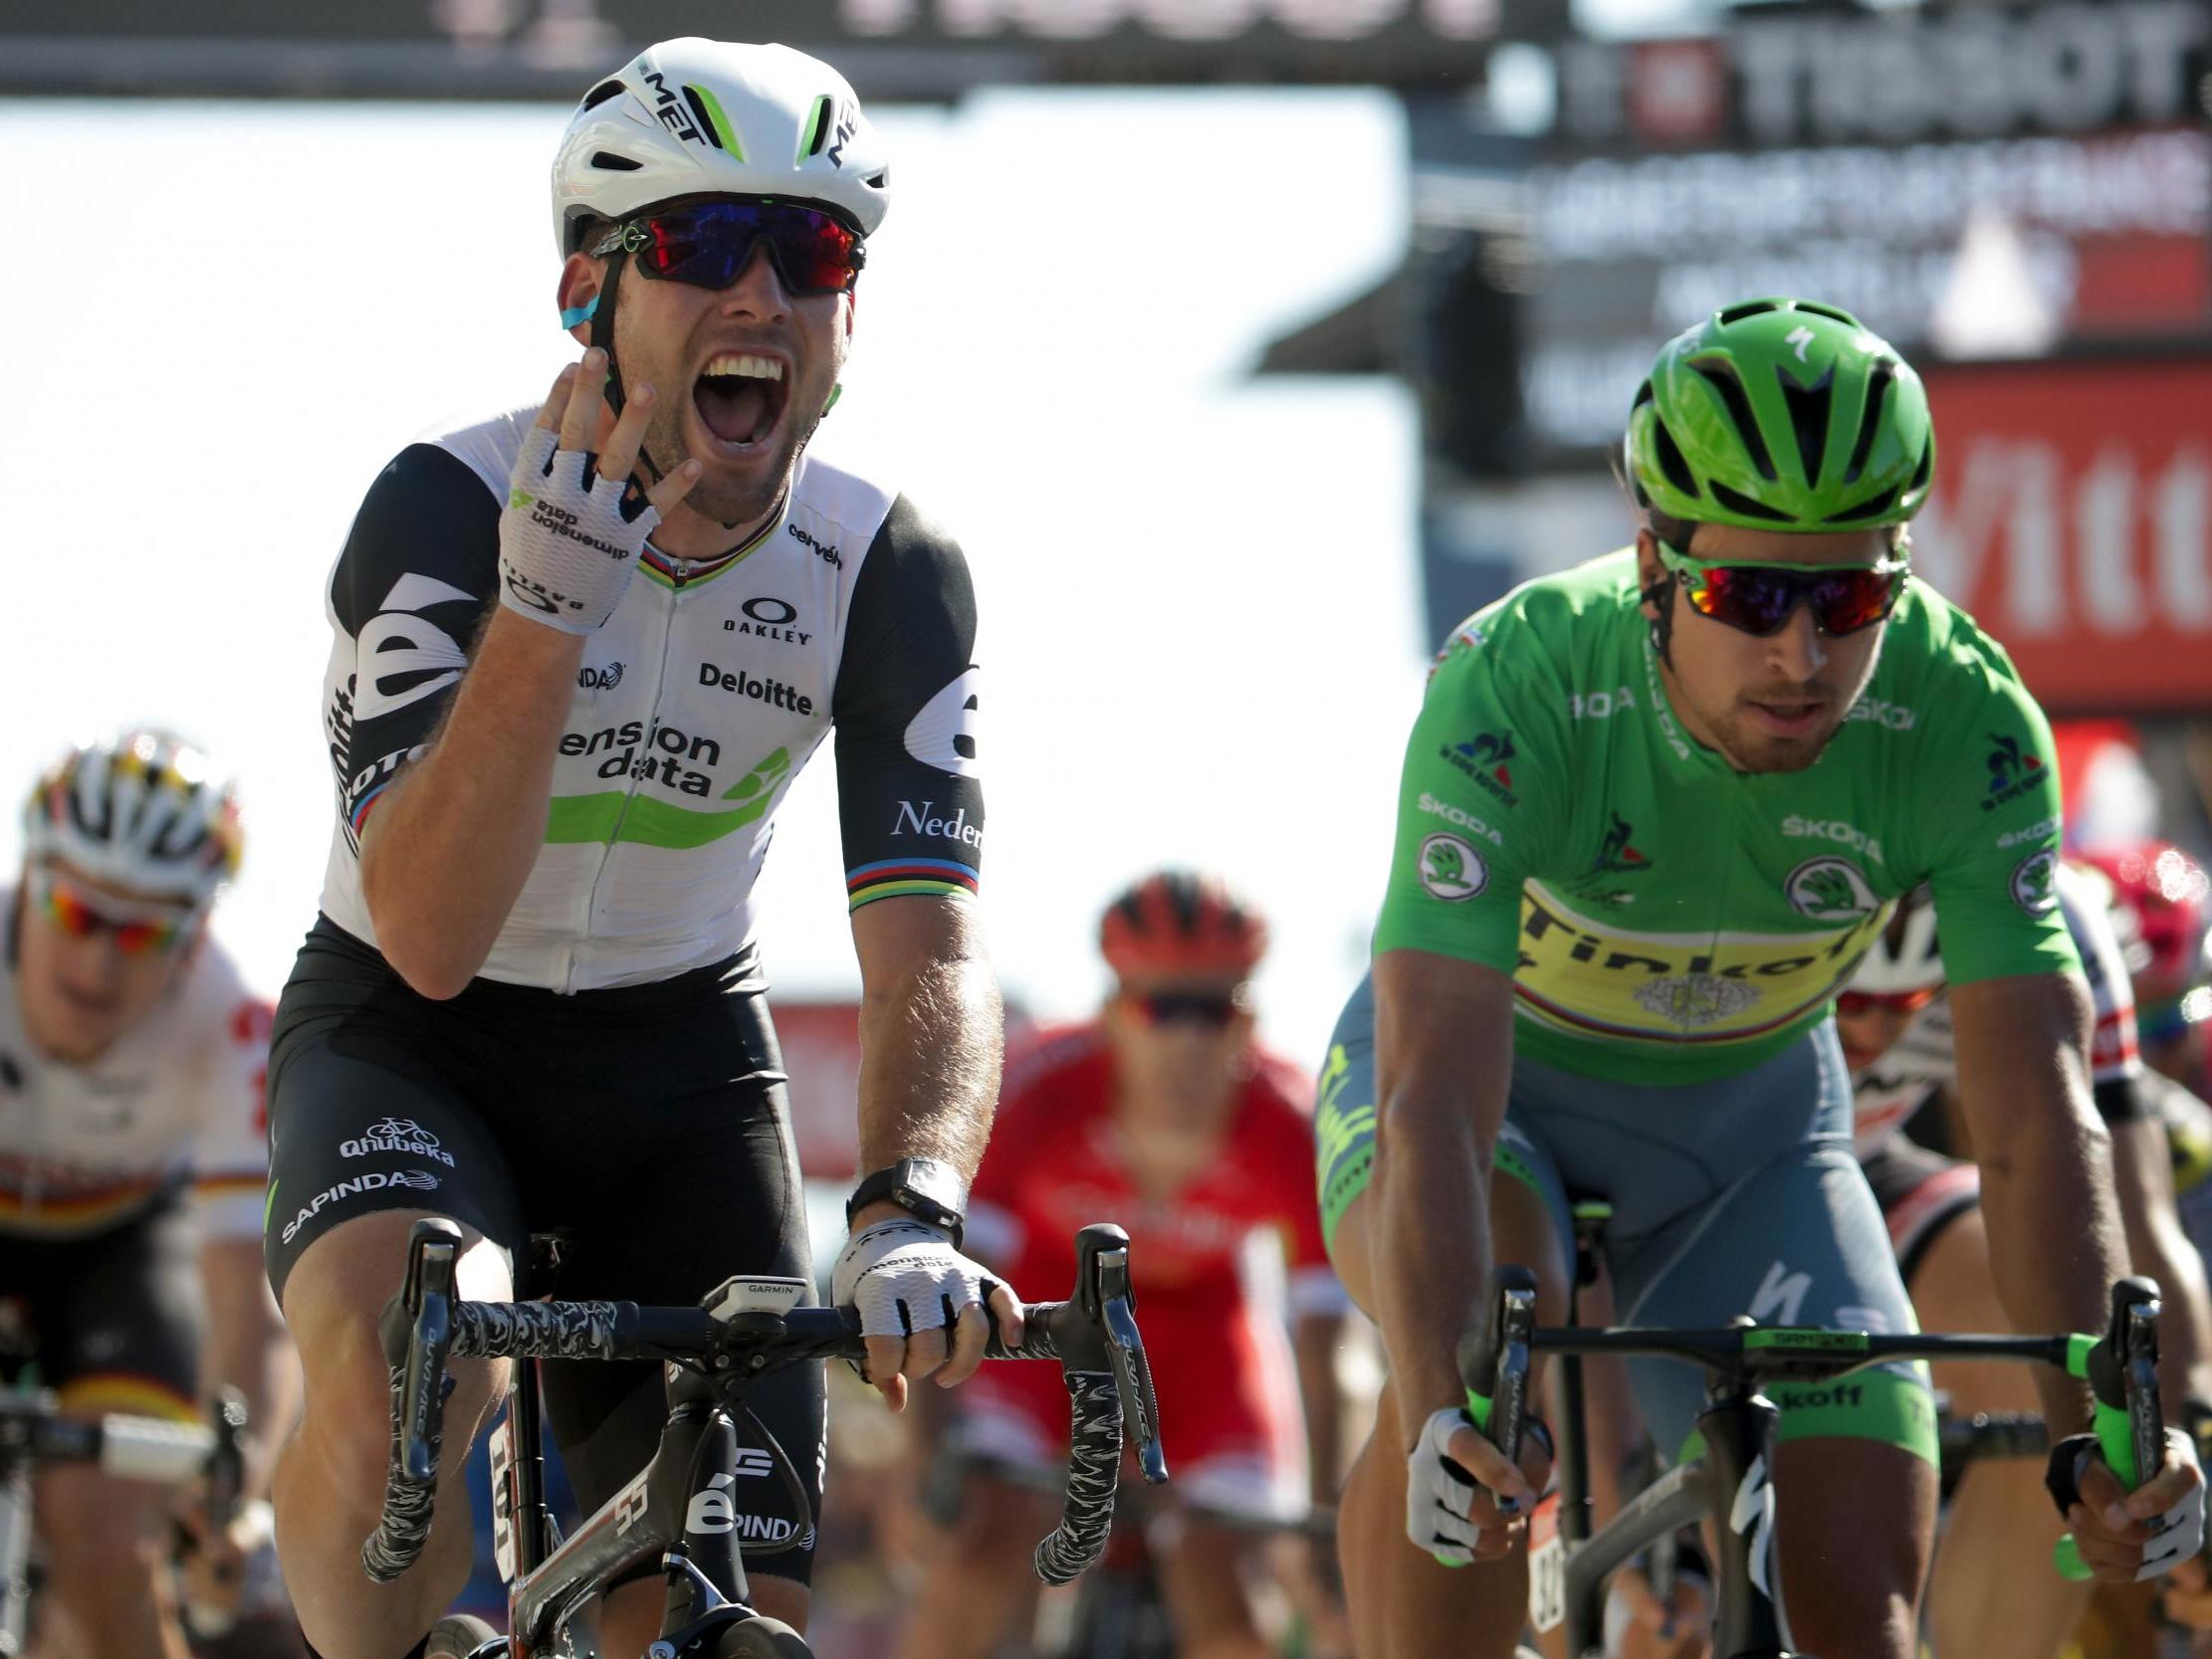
(1440,1491)
(570,539)
(904,1276)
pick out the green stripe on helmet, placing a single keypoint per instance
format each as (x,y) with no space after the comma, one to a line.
(811,140)
(723,131)
(1784,415)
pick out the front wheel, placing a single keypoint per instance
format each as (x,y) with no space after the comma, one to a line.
(761,1638)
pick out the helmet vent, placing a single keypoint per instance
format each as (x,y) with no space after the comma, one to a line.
(1830,312)
(704,118)
(879,181)
(1671,461)
(1927,465)
(1737,501)
(601,92)
(1872,508)
(1750,307)
(818,125)
(1720,374)
(607,161)
(1809,411)
(1869,419)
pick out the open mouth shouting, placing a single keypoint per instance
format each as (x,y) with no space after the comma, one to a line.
(741,397)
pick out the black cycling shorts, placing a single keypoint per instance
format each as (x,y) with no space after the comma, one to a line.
(112,1321)
(648,1124)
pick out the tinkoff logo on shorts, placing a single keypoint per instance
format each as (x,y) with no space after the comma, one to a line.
(396,1134)
(1484,760)
(1451,869)
(1830,889)
(2013,771)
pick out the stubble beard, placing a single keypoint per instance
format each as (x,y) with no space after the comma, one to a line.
(725,503)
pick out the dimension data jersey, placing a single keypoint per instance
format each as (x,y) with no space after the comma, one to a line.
(696,706)
(1668,918)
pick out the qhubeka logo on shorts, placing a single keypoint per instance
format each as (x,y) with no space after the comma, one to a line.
(395,1134)
(1451,869)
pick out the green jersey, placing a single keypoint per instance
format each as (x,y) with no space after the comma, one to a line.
(1666,917)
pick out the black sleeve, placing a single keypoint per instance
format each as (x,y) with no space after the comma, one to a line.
(409,592)
(909,792)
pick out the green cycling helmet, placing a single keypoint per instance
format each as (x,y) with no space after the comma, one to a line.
(1782,414)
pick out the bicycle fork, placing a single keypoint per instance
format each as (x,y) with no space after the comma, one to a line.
(1738,1426)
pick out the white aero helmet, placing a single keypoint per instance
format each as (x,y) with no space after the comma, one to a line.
(692,117)
(1905,956)
(141,809)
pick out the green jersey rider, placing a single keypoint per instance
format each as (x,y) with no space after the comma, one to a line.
(1654,810)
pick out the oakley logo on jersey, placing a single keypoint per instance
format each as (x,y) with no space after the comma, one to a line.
(1464,820)
(773,691)
(768,619)
(396,1134)
(1451,869)
(943,732)
(922,820)
(374,1181)
(2033,883)
(1830,890)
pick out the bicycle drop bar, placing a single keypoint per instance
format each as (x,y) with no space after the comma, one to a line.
(1093,1334)
(128,1448)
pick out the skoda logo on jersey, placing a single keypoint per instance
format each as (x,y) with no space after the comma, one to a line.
(1451,869)
(769,619)
(942,734)
(1830,890)
(2033,884)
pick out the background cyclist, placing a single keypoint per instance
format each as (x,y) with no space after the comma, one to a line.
(1165,1114)
(533,998)
(1621,979)
(131,1057)
(1895,1028)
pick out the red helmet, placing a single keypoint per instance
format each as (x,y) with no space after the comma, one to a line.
(1180,921)
(2161,908)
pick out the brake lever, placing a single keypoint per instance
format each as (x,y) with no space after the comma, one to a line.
(427,1296)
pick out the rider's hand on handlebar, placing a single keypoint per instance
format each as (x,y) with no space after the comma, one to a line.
(907,1283)
(2128,1536)
(1455,1478)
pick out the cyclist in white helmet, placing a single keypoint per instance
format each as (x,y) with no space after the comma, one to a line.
(580,650)
(131,1060)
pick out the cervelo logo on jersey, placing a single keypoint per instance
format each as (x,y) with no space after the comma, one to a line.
(943,732)
(768,691)
(1460,819)
(651,752)
(924,820)
(375,1181)
(396,1134)
(406,658)
(1895,716)
(1833,829)
(825,551)
(768,619)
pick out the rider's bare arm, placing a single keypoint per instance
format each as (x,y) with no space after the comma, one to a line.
(1443,1051)
(1314,1340)
(249,1350)
(2046,1160)
(2142,1169)
(930,1033)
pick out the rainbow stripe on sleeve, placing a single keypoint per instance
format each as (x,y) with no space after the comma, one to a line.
(942,877)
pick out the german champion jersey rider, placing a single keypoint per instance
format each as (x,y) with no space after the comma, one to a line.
(557,773)
(1619,860)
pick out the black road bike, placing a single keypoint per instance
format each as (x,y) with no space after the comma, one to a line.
(1731,1479)
(676,1513)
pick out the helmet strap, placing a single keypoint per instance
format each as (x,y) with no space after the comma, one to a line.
(602,336)
(1661,594)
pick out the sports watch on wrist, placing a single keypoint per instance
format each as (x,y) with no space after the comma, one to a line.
(925,1187)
